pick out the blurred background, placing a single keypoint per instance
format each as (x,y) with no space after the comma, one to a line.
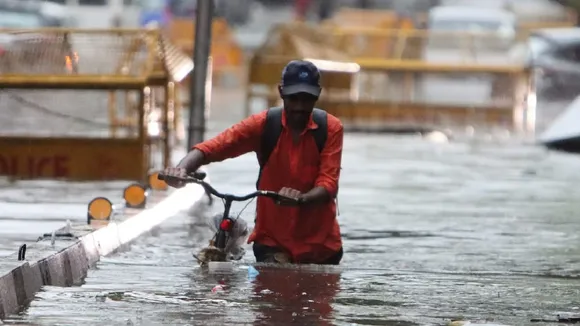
(464,216)
(471,46)
(489,33)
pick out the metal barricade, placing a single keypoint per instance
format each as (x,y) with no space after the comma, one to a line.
(87,104)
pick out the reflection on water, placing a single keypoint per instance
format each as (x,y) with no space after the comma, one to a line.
(482,229)
(294,297)
(29,209)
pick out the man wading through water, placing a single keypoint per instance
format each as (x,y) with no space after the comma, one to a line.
(299,149)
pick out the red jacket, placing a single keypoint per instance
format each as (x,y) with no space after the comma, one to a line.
(310,234)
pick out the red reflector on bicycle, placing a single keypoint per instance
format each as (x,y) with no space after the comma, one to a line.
(226,225)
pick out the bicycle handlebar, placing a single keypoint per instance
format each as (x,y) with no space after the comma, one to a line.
(197,177)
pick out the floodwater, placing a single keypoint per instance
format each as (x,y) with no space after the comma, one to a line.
(478,228)
(29,209)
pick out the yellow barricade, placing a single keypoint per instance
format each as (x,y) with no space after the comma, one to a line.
(366,31)
(352,17)
(428,80)
(428,95)
(87,104)
(525,29)
(292,41)
(366,42)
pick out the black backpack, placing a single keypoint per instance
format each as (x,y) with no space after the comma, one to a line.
(273,129)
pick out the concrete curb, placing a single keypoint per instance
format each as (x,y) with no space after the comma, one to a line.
(64,261)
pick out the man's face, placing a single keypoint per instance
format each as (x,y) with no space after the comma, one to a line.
(298,108)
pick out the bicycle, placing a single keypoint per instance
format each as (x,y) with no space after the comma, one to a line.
(218,252)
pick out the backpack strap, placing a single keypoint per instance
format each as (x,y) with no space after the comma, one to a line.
(270,134)
(321,133)
(273,129)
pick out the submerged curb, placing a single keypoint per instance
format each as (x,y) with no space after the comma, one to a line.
(64,258)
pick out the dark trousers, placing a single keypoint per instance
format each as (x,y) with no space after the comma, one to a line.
(265,254)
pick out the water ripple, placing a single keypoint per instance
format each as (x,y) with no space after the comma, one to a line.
(432,233)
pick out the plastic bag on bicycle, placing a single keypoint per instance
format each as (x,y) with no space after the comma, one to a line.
(237,239)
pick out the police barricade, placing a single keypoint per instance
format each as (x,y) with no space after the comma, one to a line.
(443,82)
(368,32)
(444,78)
(352,17)
(527,28)
(406,44)
(293,41)
(421,96)
(80,105)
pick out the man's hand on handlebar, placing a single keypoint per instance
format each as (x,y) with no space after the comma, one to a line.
(178,177)
(173,174)
(294,197)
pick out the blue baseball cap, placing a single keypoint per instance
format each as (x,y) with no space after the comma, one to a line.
(300,76)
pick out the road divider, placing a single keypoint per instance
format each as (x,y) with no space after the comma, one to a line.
(63,257)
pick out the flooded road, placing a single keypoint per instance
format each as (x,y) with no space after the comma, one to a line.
(480,229)
(29,209)
(470,229)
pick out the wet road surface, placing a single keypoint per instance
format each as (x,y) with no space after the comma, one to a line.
(480,229)
(29,209)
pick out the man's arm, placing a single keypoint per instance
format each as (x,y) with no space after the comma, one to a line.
(241,138)
(326,185)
